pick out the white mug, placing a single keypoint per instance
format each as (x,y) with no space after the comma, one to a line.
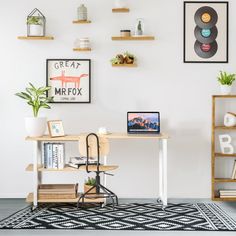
(230,119)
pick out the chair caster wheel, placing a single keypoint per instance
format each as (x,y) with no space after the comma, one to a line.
(159,201)
(33,208)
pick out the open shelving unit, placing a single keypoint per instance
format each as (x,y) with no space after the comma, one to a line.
(120,10)
(133,38)
(214,154)
(35,37)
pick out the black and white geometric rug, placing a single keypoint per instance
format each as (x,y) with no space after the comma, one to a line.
(132,216)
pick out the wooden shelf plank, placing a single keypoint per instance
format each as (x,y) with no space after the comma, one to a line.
(224,180)
(225,128)
(42,169)
(48,138)
(120,10)
(133,38)
(29,199)
(82,21)
(224,199)
(82,49)
(35,38)
(124,65)
(224,96)
(225,155)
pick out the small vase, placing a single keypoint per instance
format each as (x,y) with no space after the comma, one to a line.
(139,28)
(225,89)
(35,126)
(82,12)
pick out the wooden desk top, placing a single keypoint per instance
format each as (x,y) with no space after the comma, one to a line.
(108,136)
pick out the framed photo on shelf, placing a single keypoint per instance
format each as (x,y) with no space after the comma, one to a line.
(55,128)
(205,32)
(70,80)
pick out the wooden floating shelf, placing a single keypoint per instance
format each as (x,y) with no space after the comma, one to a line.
(225,155)
(224,127)
(82,21)
(120,10)
(48,138)
(35,38)
(224,180)
(82,49)
(124,65)
(30,198)
(224,96)
(133,38)
(67,168)
(224,199)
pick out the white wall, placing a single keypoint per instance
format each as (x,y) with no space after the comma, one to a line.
(181,92)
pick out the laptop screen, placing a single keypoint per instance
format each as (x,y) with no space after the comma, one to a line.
(143,122)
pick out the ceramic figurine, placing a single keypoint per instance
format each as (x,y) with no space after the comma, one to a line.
(82,12)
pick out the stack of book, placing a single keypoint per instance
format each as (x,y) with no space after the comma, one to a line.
(57,191)
(53,155)
(233,176)
(76,162)
(227,193)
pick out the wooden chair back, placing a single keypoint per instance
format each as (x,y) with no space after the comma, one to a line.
(92,142)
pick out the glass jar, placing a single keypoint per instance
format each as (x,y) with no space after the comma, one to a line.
(82,12)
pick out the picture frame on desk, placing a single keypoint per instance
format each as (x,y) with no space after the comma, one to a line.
(55,128)
(69,79)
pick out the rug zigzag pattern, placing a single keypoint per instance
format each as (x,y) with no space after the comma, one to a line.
(194,217)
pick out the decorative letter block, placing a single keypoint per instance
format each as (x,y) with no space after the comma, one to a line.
(225,144)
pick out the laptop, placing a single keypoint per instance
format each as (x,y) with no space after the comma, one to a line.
(143,122)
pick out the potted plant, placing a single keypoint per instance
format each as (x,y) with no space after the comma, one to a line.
(35,24)
(36,98)
(226,80)
(89,183)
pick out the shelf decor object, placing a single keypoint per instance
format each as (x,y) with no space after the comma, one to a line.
(143,37)
(82,13)
(205,32)
(139,28)
(120,10)
(216,196)
(36,24)
(124,60)
(70,80)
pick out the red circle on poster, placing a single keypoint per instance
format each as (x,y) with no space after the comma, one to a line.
(206,47)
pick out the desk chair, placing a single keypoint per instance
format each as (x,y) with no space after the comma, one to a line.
(93,146)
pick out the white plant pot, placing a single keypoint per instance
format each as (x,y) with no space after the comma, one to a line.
(120,3)
(225,89)
(230,119)
(35,126)
(36,30)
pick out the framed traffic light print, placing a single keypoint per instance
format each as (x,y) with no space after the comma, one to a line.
(205,32)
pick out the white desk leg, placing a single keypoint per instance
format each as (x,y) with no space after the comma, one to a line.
(160,170)
(35,173)
(164,165)
(105,177)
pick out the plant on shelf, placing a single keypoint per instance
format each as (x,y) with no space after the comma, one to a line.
(37,99)
(34,20)
(226,80)
(89,183)
(125,58)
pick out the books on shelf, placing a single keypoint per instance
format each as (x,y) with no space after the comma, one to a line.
(233,176)
(53,155)
(57,191)
(76,162)
(230,193)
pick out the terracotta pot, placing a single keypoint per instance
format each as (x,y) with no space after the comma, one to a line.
(87,187)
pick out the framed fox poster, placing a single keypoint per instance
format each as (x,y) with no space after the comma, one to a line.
(70,80)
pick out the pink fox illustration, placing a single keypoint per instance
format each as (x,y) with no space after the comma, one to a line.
(69,79)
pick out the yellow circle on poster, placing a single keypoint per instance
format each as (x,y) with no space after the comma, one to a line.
(206,17)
